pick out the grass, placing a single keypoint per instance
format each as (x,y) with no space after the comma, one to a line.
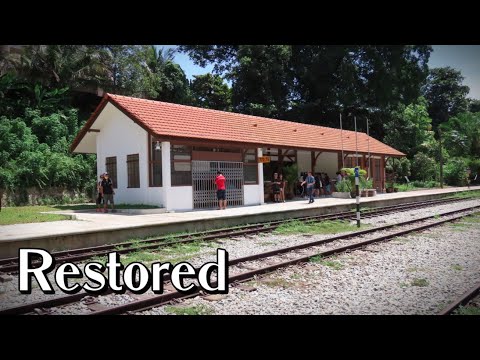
(312,227)
(466,195)
(277,283)
(32,214)
(457,267)
(28,214)
(93,206)
(335,265)
(472,219)
(468,310)
(173,254)
(419,282)
(189,310)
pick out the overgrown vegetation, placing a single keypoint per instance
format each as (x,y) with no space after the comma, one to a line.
(314,227)
(468,310)
(419,282)
(189,310)
(28,214)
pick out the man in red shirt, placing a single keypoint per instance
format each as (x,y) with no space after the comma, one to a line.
(221,196)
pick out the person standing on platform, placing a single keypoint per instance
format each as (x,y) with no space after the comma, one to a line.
(107,191)
(327,185)
(221,191)
(282,183)
(276,188)
(99,194)
(310,182)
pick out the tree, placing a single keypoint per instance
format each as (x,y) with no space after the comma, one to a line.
(123,67)
(314,83)
(7,180)
(461,135)
(445,94)
(423,167)
(61,65)
(474,105)
(209,91)
(410,128)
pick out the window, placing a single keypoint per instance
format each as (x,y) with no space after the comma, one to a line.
(133,172)
(155,165)
(250,166)
(181,165)
(111,166)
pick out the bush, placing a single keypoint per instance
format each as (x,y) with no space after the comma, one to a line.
(423,167)
(454,172)
(425,184)
(343,186)
(350,176)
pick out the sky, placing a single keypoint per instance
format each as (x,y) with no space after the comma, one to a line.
(465,58)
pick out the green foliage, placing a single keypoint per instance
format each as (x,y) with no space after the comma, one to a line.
(313,83)
(313,227)
(28,214)
(454,172)
(409,128)
(461,135)
(397,169)
(445,94)
(348,182)
(290,174)
(423,167)
(209,91)
(343,186)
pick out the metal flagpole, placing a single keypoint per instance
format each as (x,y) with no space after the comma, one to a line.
(368,143)
(341,139)
(356,140)
(357,176)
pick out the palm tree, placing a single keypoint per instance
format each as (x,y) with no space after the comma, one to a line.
(62,65)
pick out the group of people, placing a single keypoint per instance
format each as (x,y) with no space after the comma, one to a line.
(322,184)
(105,192)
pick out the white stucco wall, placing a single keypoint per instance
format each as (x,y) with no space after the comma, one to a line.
(261,197)
(120,136)
(251,194)
(327,162)
(304,161)
(180,198)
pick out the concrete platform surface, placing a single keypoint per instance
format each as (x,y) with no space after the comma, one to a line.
(100,222)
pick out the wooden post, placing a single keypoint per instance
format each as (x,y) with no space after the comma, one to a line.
(280,161)
(312,168)
(363,162)
(382,173)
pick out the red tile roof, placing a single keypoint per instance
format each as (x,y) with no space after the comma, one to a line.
(180,121)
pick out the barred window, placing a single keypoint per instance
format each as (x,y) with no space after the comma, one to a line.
(250,166)
(111,166)
(133,172)
(155,165)
(181,165)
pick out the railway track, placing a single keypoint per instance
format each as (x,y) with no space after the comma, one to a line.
(272,260)
(10,265)
(462,300)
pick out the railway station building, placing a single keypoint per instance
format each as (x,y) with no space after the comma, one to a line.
(168,155)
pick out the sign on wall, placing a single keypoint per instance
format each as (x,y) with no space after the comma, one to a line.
(264,159)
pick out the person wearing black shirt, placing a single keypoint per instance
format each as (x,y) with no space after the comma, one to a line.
(107,191)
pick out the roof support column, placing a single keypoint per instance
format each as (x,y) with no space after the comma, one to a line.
(166,176)
(261,196)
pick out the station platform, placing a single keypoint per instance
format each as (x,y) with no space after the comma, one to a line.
(92,228)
